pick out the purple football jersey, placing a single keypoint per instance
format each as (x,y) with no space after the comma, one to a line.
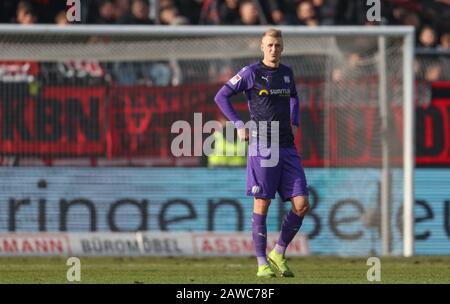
(271,95)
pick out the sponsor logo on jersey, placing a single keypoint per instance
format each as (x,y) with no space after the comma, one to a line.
(278,92)
(263,92)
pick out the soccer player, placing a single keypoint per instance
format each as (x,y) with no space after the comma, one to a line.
(272,97)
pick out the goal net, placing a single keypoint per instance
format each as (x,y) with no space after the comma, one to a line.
(100,100)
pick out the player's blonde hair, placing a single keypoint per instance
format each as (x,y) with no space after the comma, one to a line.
(272,33)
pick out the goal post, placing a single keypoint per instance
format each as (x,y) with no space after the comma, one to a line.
(352,77)
(409,140)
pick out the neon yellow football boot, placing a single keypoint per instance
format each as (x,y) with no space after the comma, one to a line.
(279,263)
(264,271)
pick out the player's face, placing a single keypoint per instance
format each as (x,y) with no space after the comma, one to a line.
(272,48)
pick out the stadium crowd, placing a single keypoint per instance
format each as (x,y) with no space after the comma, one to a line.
(431,18)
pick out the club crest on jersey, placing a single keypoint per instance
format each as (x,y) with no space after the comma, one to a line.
(287,79)
(235,79)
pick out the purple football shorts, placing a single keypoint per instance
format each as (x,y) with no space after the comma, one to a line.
(287,177)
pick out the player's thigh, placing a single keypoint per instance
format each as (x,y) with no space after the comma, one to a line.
(262,182)
(293,179)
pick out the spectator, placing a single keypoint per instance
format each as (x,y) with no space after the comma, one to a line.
(229,12)
(433,72)
(138,13)
(325,11)
(122,8)
(277,16)
(61,18)
(275,10)
(248,13)
(306,14)
(209,12)
(397,15)
(427,37)
(25,13)
(190,9)
(106,11)
(445,41)
(411,19)
(417,68)
(170,16)
(46,10)
(288,8)
(351,13)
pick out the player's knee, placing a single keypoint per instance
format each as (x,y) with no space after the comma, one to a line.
(261,205)
(302,208)
(305,208)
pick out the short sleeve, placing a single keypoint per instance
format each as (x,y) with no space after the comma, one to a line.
(242,81)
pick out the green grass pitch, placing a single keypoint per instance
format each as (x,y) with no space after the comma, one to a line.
(312,270)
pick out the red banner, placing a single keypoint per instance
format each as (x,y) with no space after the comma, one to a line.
(433,128)
(18,71)
(135,122)
(65,121)
(141,117)
(348,137)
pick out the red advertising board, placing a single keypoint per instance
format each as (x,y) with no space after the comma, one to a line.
(433,128)
(135,122)
(66,121)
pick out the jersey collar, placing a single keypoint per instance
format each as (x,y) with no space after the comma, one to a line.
(268,67)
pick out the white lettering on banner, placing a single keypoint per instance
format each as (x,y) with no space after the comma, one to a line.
(18,71)
(241,244)
(132,244)
(150,246)
(98,246)
(34,244)
(140,244)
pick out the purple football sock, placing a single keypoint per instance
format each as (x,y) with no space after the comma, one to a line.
(259,233)
(291,224)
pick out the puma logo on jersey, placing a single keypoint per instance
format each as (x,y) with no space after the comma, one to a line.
(266,78)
